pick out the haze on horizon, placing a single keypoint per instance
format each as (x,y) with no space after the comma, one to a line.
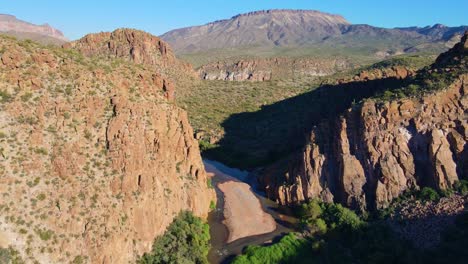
(76,19)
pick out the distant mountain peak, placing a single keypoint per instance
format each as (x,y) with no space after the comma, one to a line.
(439,26)
(291,12)
(45,33)
(276,27)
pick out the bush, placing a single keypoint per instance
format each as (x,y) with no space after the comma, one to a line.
(340,217)
(286,250)
(187,240)
(428,194)
(461,187)
(318,226)
(205,145)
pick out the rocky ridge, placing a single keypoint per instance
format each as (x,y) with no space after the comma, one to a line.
(95,160)
(24,30)
(136,46)
(375,151)
(270,68)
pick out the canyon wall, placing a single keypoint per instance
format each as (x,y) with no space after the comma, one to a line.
(96,161)
(377,150)
(272,68)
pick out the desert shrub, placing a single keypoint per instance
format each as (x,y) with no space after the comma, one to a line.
(339,217)
(287,250)
(5,255)
(461,187)
(205,145)
(311,210)
(187,240)
(428,194)
(5,97)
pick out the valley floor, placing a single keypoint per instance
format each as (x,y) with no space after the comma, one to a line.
(242,217)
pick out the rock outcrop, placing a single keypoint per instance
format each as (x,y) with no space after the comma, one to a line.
(95,162)
(271,68)
(375,151)
(42,33)
(136,46)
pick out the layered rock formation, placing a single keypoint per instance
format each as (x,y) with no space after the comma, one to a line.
(271,68)
(376,151)
(24,30)
(136,46)
(95,161)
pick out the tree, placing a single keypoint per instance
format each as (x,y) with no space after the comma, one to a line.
(187,240)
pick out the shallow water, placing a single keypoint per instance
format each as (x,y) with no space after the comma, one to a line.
(223,252)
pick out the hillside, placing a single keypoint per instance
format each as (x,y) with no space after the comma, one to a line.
(96,160)
(45,34)
(408,137)
(137,47)
(298,33)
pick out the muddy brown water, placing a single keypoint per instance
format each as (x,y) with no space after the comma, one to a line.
(223,252)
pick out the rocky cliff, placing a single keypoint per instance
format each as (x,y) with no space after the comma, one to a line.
(376,150)
(95,161)
(136,46)
(272,68)
(43,33)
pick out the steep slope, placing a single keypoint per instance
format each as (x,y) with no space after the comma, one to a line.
(45,34)
(95,161)
(136,46)
(376,150)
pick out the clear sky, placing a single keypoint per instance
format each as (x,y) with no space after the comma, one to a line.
(79,17)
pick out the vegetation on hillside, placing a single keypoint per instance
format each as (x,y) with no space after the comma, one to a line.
(251,119)
(187,240)
(334,234)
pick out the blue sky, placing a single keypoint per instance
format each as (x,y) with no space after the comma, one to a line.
(79,17)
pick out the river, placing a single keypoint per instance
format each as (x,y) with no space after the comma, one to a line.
(259,210)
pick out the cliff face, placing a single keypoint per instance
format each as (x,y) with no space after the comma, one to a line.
(136,46)
(272,68)
(95,161)
(376,151)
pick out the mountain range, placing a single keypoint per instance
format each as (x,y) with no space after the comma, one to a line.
(45,34)
(305,32)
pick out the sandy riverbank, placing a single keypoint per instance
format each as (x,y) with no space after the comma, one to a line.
(243,213)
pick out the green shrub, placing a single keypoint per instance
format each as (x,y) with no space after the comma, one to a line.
(461,187)
(209,183)
(340,217)
(5,97)
(187,240)
(212,205)
(428,194)
(5,255)
(311,210)
(289,248)
(205,145)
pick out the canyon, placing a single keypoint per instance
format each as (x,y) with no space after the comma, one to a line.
(375,151)
(101,138)
(96,160)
